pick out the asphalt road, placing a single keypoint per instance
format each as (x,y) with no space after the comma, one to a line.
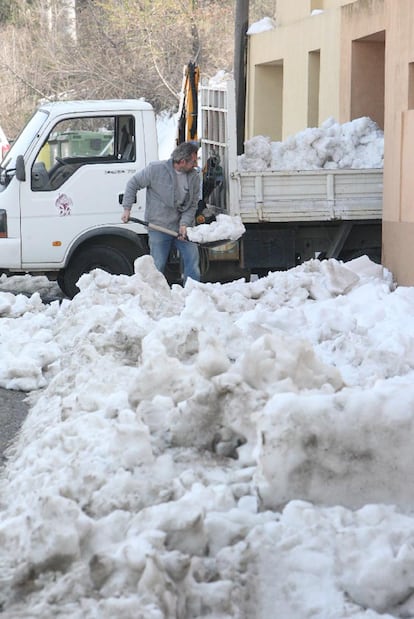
(13,411)
(13,408)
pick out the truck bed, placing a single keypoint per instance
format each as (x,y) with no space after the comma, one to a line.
(306,195)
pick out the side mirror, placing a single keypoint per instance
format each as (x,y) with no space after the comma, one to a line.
(20,169)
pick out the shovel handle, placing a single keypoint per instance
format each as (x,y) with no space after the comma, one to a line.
(154,226)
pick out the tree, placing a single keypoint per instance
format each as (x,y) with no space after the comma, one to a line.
(55,49)
(6,11)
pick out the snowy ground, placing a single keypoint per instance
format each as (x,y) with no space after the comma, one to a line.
(222,451)
(218,451)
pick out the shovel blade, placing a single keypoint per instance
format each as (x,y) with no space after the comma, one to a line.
(174,234)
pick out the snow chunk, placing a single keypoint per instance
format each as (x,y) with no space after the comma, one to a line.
(264,24)
(356,144)
(225,227)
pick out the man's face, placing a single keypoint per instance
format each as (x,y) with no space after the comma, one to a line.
(187,165)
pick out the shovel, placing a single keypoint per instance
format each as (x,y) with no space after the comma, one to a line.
(150,226)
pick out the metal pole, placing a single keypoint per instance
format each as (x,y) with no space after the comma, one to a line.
(241,22)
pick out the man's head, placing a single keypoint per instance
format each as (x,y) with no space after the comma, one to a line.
(184,156)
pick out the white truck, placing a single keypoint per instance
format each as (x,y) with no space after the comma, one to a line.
(290,216)
(62,181)
(61,185)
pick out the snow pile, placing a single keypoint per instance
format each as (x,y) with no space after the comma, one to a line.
(267,23)
(219,78)
(167,122)
(225,227)
(219,451)
(355,144)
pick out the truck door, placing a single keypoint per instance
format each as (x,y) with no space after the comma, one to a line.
(74,180)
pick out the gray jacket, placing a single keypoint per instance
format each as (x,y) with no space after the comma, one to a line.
(160,205)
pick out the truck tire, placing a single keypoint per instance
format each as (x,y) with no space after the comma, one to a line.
(108,259)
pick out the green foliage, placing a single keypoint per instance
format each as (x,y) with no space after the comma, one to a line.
(8,10)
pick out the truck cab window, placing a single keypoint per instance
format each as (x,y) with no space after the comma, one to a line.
(72,143)
(126,138)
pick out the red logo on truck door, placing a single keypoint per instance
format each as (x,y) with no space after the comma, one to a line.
(64,204)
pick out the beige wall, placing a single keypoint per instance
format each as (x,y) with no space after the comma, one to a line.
(360,54)
(278,106)
(294,10)
(362,25)
(362,60)
(398,214)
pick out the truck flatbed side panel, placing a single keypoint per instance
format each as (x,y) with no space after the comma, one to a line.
(320,195)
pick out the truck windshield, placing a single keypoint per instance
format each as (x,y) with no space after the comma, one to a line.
(24,139)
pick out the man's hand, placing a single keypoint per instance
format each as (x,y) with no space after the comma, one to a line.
(125,215)
(182,233)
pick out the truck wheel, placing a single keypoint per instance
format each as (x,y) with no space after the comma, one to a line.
(108,259)
(61,281)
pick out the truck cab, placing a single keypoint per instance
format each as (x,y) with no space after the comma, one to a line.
(61,186)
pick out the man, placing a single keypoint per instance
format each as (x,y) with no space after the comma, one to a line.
(173,188)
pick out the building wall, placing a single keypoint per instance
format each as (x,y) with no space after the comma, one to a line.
(284,65)
(398,212)
(294,10)
(356,58)
(377,40)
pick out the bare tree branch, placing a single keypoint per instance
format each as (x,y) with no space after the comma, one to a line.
(26,82)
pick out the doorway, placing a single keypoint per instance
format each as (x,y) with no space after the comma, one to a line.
(368,78)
